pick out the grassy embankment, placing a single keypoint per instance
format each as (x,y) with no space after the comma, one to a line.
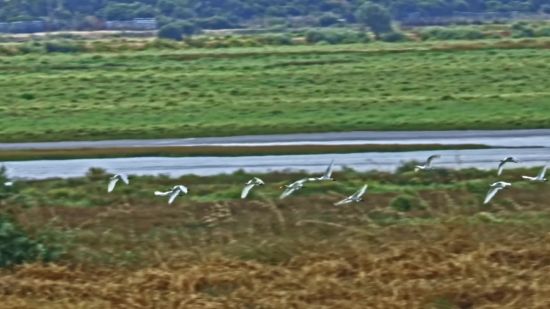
(420,240)
(226,151)
(241,91)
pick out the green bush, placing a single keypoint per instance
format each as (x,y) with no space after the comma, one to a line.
(443,34)
(393,37)
(176,30)
(522,30)
(337,36)
(17,247)
(275,39)
(61,47)
(328,19)
(406,202)
(542,32)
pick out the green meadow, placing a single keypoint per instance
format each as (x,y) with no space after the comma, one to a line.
(294,89)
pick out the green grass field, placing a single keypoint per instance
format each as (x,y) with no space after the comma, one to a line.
(162,94)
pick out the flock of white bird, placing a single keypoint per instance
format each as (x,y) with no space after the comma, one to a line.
(356,197)
(495,187)
(176,190)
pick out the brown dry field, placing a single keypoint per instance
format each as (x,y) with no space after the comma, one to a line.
(300,252)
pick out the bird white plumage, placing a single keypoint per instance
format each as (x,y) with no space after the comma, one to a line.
(428,165)
(114,180)
(293,187)
(327,174)
(494,189)
(504,161)
(356,197)
(251,183)
(176,191)
(540,176)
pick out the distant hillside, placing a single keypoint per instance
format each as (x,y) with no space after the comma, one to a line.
(227,13)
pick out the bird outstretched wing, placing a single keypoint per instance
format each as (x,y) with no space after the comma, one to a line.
(490,194)
(360,192)
(500,167)
(173,196)
(328,172)
(162,193)
(287,192)
(431,158)
(344,201)
(112,184)
(543,171)
(124,178)
(246,189)
(182,188)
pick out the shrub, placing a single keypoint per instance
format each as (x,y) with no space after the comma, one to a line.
(406,202)
(328,19)
(61,47)
(376,17)
(314,36)
(176,30)
(337,36)
(29,48)
(522,30)
(439,33)
(17,247)
(170,31)
(393,37)
(542,32)
(275,39)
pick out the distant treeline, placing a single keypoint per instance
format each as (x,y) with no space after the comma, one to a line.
(221,14)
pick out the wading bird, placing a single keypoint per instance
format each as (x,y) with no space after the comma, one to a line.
(114,180)
(504,161)
(428,165)
(175,191)
(540,176)
(356,197)
(494,189)
(251,183)
(327,174)
(293,187)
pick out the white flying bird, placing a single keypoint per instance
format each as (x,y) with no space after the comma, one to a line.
(114,180)
(428,165)
(540,176)
(8,184)
(293,187)
(494,189)
(504,161)
(356,197)
(327,174)
(251,183)
(175,191)
(184,189)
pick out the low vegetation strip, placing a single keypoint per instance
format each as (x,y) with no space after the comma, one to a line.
(195,151)
(91,190)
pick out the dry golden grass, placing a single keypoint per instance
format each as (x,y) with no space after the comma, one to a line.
(297,253)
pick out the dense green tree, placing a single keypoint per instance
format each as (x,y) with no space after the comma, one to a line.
(376,17)
(238,11)
(328,19)
(176,30)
